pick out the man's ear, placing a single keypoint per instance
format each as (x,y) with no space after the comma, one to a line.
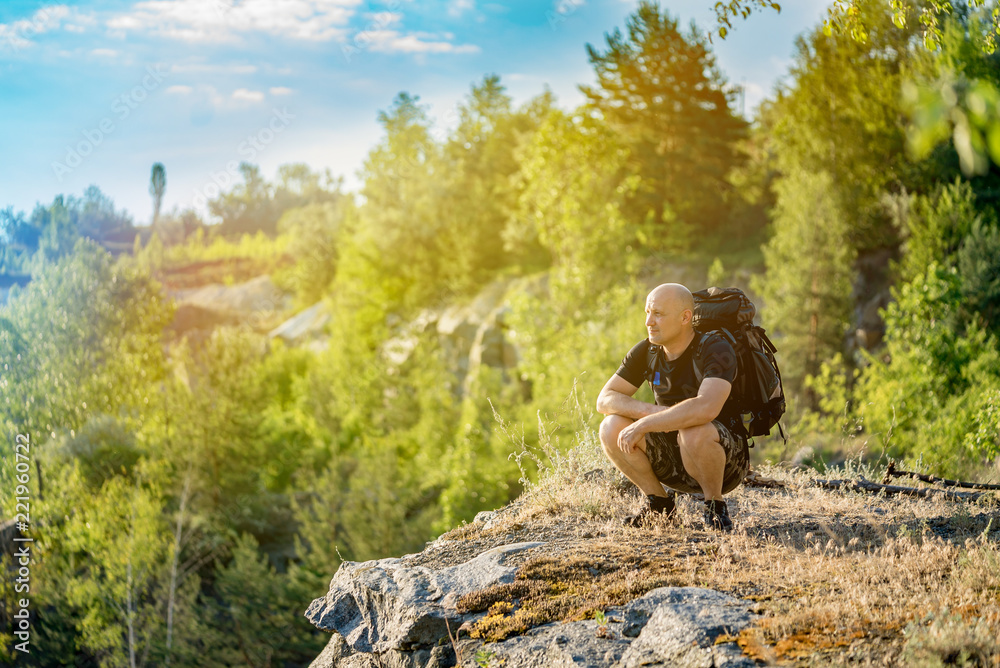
(686,316)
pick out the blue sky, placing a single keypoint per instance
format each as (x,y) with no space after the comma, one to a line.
(96,92)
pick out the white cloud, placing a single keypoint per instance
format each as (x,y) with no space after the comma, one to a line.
(206,68)
(391,41)
(179,90)
(458,7)
(104,53)
(280,90)
(383,20)
(19,34)
(247,95)
(216,21)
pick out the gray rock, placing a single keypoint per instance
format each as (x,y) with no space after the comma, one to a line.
(384,613)
(304,326)
(569,645)
(683,627)
(670,626)
(383,605)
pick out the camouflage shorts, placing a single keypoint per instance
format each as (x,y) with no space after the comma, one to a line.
(665,457)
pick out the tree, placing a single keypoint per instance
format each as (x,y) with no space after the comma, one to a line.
(478,199)
(314,231)
(935,392)
(157,186)
(807,287)
(248,207)
(846,17)
(574,184)
(842,114)
(80,341)
(96,215)
(121,530)
(660,90)
(964,109)
(402,190)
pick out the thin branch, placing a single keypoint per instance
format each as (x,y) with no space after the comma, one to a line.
(891,472)
(892,490)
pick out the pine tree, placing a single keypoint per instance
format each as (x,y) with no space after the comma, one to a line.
(660,90)
(810,268)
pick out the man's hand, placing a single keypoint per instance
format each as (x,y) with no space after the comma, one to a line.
(629,438)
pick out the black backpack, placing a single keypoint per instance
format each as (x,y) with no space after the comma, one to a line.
(757,386)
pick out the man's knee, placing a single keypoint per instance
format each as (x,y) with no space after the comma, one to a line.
(695,437)
(611,426)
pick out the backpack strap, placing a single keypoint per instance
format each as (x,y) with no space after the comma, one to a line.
(652,362)
(653,359)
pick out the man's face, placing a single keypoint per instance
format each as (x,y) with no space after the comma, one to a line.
(664,319)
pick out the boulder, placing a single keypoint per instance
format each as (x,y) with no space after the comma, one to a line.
(387,613)
(386,605)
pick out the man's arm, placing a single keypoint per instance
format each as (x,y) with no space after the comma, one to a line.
(616,399)
(699,410)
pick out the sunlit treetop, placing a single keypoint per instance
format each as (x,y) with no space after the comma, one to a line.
(845,17)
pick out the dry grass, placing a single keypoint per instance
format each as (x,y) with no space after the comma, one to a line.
(837,578)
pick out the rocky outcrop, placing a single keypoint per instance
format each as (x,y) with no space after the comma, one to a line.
(307,327)
(385,605)
(473,334)
(391,612)
(257,305)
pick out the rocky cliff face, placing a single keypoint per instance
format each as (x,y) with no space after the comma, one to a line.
(415,611)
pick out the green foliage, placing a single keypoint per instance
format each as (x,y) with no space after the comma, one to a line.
(103,448)
(660,91)
(807,287)
(121,530)
(936,226)
(841,115)
(573,187)
(82,340)
(848,17)
(255,205)
(726,12)
(479,164)
(266,627)
(568,343)
(960,102)
(312,233)
(933,391)
(979,266)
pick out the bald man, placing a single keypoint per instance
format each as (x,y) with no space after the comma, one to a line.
(692,439)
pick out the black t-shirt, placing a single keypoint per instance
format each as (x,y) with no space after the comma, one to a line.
(675,381)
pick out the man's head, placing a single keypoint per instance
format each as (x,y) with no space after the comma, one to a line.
(669,308)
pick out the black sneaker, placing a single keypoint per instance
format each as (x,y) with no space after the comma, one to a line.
(659,507)
(717,516)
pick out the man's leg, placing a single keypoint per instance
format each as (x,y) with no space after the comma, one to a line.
(635,465)
(703,458)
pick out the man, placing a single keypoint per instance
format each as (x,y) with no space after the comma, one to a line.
(692,440)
